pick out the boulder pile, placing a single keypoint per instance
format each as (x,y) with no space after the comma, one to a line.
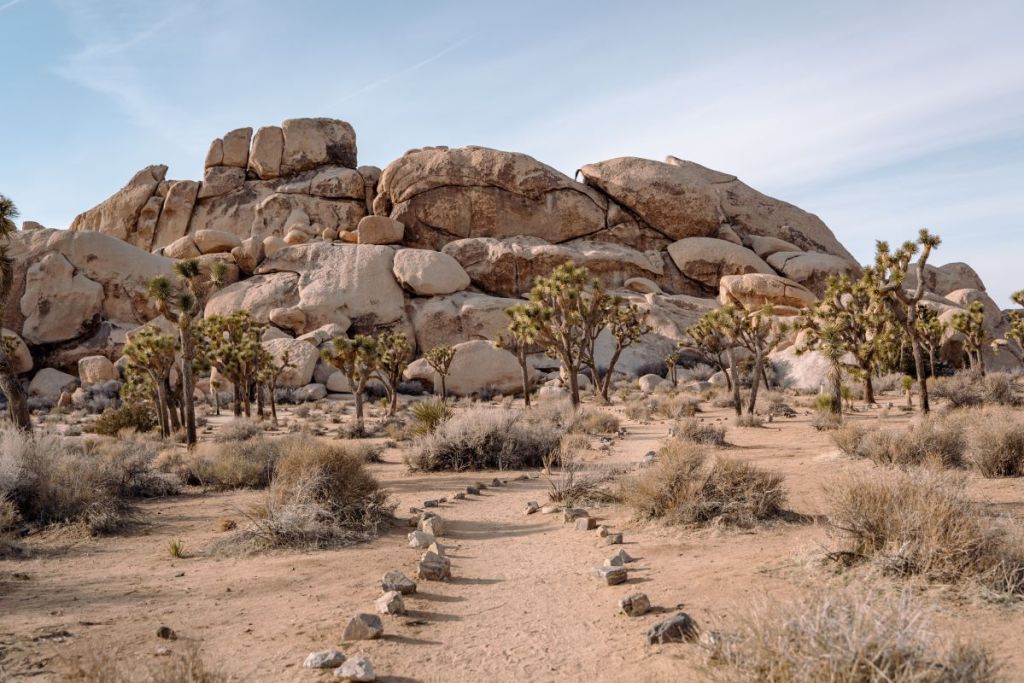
(437,244)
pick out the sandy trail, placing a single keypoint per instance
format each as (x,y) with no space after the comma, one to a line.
(521,604)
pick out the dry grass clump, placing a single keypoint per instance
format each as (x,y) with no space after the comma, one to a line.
(136,417)
(238,429)
(674,406)
(921,523)
(224,465)
(638,410)
(995,439)
(930,440)
(849,635)
(685,486)
(50,479)
(749,421)
(593,421)
(488,438)
(321,495)
(110,665)
(573,487)
(698,431)
(969,388)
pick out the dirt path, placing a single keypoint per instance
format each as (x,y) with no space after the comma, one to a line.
(521,604)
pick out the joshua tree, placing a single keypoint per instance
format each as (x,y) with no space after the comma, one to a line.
(154,353)
(553,319)
(1016,332)
(890,272)
(269,372)
(672,363)
(358,359)
(932,329)
(393,349)
(759,333)
(971,324)
(183,301)
(231,343)
(440,358)
(705,339)
(10,384)
(516,341)
(627,324)
(849,318)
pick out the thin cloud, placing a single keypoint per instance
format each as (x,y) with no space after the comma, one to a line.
(9,5)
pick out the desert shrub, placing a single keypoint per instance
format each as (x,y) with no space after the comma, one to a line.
(995,441)
(246,463)
(826,422)
(239,429)
(699,372)
(921,523)
(723,402)
(698,431)
(571,486)
(968,388)
(137,417)
(593,421)
(685,486)
(50,479)
(848,437)
(675,406)
(889,382)
(748,421)
(778,404)
(848,635)
(930,440)
(427,415)
(110,665)
(487,438)
(638,410)
(321,495)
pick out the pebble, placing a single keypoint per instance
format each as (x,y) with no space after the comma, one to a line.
(635,605)
(678,629)
(363,627)
(613,539)
(572,514)
(586,523)
(603,531)
(611,575)
(397,581)
(430,503)
(532,507)
(389,603)
(324,659)
(167,633)
(549,509)
(619,559)
(496,482)
(459,496)
(433,526)
(473,490)
(437,549)
(356,669)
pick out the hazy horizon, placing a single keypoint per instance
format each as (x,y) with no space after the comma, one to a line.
(879,120)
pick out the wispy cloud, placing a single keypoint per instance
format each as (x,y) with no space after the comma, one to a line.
(9,5)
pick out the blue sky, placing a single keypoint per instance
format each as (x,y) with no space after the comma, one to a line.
(880,117)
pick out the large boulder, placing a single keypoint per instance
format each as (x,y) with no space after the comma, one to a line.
(215,241)
(429,273)
(20,357)
(812,270)
(259,295)
(309,143)
(175,214)
(508,267)
(442,194)
(965,297)
(96,369)
(946,278)
(754,290)
(119,215)
(684,199)
(266,151)
(476,366)
(448,320)
(58,304)
(707,260)
(301,356)
(48,383)
(342,282)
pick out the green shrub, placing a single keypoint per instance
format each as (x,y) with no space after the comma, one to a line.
(428,415)
(138,417)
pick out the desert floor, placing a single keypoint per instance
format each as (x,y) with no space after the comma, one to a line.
(521,606)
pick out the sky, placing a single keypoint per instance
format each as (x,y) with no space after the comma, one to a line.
(879,117)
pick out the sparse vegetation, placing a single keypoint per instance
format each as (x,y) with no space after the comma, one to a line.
(995,439)
(136,417)
(593,421)
(686,486)
(698,431)
(930,440)
(921,523)
(428,415)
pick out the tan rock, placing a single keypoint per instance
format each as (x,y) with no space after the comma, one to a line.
(449,320)
(236,148)
(337,383)
(766,246)
(176,213)
(207,262)
(338,183)
(296,236)
(248,255)
(476,366)
(96,369)
(379,230)
(965,297)
(182,248)
(215,154)
(429,273)
(20,357)
(301,355)
(336,281)
(272,245)
(642,285)
(291,318)
(58,303)
(267,149)
(259,295)
(441,194)
(707,260)
(48,383)
(349,237)
(118,215)
(309,143)
(753,291)
(946,278)
(215,241)
(812,270)
(218,180)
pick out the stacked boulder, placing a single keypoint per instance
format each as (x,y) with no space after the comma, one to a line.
(436,245)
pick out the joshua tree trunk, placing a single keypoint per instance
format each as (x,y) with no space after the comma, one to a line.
(188,389)
(14,390)
(393,402)
(915,348)
(574,386)
(259,401)
(170,404)
(216,400)
(931,359)
(755,383)
(869,388)
(673,374)
(736,399)
(273,402)
(236,404)
(836,378)
(359,407)
(444,388)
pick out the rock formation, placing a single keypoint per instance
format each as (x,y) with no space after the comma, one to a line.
(438,244)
